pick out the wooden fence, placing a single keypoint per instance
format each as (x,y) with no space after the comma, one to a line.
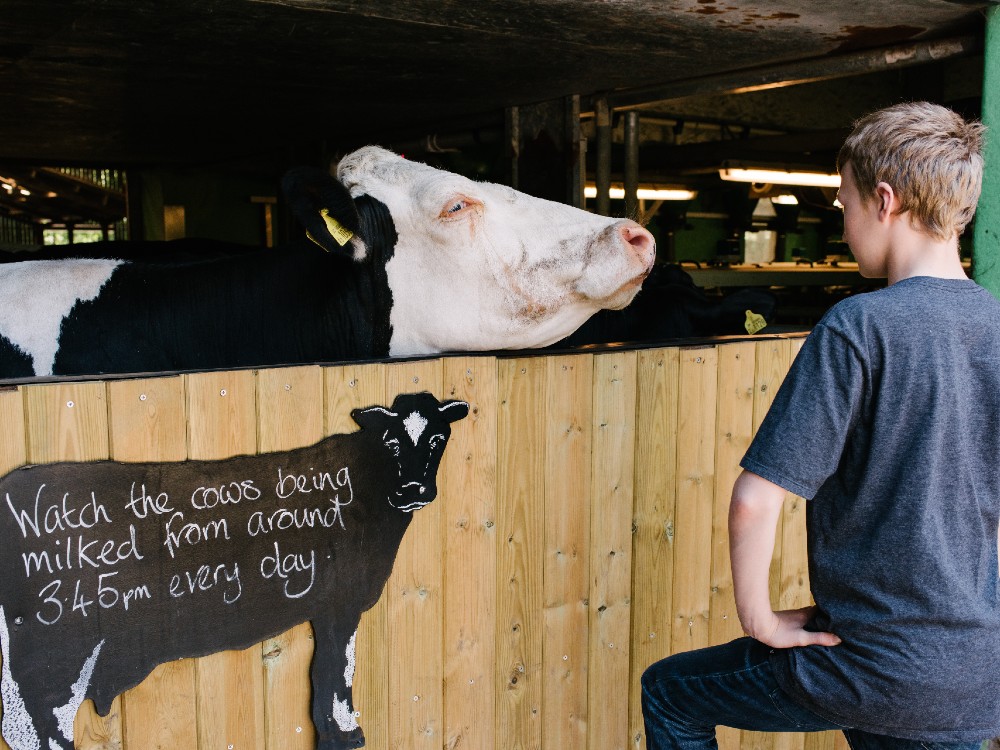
(579,535)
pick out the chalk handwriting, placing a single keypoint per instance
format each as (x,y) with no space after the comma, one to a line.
(107,595)
(289,484)
(60,517)
(206,578)
(192,533)
(80,553)
(230,493)
(142,504)
(284,566)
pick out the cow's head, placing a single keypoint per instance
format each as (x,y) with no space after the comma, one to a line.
(478,266)
(414,431)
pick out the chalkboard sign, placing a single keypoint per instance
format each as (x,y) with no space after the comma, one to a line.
(113,568)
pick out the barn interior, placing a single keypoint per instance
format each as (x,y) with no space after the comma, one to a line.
(134,119)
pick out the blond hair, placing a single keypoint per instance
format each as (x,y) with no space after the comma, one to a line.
(928,154)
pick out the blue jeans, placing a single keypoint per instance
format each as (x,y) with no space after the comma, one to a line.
(686,696)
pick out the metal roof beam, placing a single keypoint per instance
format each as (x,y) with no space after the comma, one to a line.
(794,73)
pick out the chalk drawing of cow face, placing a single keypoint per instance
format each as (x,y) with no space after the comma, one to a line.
(415,431)
(481,266)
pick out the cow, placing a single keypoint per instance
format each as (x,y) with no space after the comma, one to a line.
(671,306)
(113,568)
(406,260)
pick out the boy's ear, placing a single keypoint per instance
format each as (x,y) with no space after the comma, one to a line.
(886,199)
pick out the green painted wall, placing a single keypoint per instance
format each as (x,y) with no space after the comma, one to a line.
(986,241)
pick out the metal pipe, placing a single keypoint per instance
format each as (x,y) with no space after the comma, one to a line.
(632,164)
(798,72)
(603,170)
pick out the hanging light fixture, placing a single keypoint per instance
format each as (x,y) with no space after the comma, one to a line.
(777,175)
(617,192)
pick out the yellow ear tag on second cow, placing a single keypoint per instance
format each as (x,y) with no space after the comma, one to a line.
(337,230)
(754,322)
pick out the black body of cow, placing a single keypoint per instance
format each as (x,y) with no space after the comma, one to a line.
(671,306)
(198,571)
(201,304)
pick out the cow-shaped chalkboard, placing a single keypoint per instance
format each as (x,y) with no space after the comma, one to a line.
(113,568)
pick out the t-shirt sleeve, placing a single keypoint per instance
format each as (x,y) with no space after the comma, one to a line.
(801,440)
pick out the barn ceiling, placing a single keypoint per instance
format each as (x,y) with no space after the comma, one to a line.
(127,82)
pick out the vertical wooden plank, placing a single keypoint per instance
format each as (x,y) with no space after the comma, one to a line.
(149,423)
(794,577)
(734,428)
(521,456)
(820,740)
(222,422)
(771,368)
(698,385)
(653,520)
(566,569)
(13,451)
(347,388)
(468,502)
(69,422)
(414,592)
(613,469)
(289,415)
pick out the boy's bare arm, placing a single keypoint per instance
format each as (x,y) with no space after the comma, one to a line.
(753,518)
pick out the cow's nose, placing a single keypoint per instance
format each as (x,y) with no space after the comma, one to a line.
(642,242)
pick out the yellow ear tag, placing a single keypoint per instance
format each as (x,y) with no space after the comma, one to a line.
(337,230)
(754,322)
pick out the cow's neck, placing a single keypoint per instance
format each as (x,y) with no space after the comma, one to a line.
(379,232)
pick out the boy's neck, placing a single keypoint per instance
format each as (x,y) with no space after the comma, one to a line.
(916,253)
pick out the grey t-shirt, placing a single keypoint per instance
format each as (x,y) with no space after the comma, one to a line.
(889,423)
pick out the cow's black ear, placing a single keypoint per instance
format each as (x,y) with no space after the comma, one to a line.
(325,208)
(453,411)
(374,416)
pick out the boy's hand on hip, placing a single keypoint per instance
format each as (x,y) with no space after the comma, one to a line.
(786,629)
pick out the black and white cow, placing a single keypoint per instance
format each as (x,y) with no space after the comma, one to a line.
(430,262)
(111,568)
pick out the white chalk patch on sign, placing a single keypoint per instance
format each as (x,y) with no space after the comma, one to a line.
(415,425)
(38,296)
(17,728)
(66,714)
(343,715)
(350,654)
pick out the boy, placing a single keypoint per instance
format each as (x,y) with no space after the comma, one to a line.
(889,424)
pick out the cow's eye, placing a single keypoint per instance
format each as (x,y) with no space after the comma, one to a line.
(456,207)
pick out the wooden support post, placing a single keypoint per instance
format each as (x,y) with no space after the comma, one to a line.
(268,202)
(545,150)
(986,240)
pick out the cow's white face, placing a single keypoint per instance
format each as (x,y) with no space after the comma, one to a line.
(480,266)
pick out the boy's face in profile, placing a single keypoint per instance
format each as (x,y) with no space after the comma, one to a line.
(862,230)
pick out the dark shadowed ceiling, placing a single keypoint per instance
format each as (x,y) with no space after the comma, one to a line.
(124,82)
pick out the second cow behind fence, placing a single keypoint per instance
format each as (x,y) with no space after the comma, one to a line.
(114,568)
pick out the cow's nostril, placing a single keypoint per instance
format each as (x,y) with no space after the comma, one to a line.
(642,242)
